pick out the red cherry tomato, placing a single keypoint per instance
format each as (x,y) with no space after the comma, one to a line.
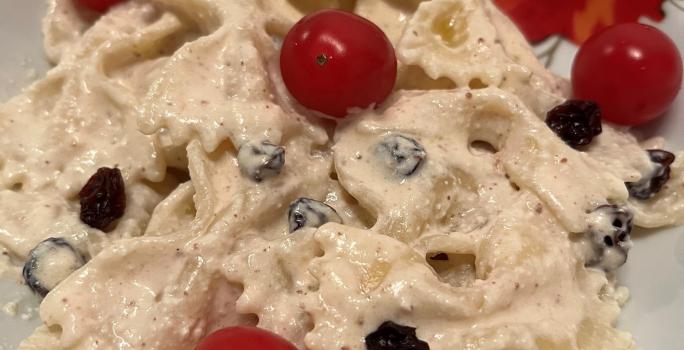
(99,5)
(633,71)
(244,338)
(333,60)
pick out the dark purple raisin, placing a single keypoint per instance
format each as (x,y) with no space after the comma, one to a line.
(391,336)
(653,182)
(54,259)
(103,198)
(576,122)
(306,212)
(401,154)
(609,236)
(261,160)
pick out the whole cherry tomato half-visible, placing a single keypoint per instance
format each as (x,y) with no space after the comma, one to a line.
(633,71)
(332,61)
(244,338)
(99,5)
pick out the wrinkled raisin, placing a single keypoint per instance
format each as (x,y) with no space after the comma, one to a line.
(261,160)
(609,236)
(391,336)
(103,198)
(576,122)
(402,154)
(653,182)
(49,263)
(306,212)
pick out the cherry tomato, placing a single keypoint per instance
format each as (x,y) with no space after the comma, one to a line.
(99,5)
(332,61)
(633,71)
(244,338)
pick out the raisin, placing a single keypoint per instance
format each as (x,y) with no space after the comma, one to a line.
(391,336)
(609,236)
(261,160)
(653,182)
(576,122)
(50,262)
(305,212)
(402,154)
(103,198)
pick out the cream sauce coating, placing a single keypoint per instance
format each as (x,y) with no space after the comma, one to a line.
(171,91)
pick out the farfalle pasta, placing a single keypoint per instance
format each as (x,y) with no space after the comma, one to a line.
(452,208)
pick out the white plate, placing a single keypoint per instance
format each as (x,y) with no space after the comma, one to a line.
(21,61)
(654,271)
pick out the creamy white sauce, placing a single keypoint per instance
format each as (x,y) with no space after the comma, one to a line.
(169,87)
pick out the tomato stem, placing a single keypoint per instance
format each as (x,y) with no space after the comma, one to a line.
(321,59)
